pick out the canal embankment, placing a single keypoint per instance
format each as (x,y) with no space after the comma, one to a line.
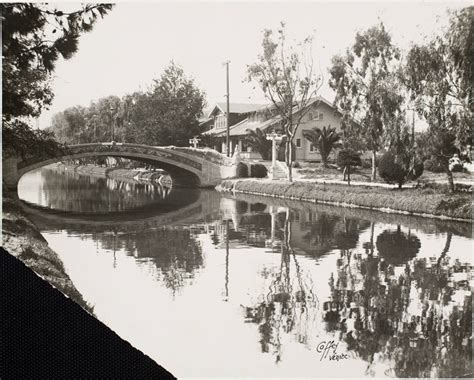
(22,239)
(420,202)
(44,330)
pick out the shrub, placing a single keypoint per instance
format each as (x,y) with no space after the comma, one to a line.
(455,164)
(258,171)
(295,164)
(347,158)
(457,168)
(242,170)
(433,166)
(417,170)
(367,163)
(394,169)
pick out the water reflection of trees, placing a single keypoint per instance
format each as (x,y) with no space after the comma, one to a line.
(415,315)
(290,305)
(396,247)
(71,191)
(174,251)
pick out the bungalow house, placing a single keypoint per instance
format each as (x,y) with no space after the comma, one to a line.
(215,123)
(321,113)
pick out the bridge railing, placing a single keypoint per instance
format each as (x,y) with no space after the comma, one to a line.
(186,154)
(207,154)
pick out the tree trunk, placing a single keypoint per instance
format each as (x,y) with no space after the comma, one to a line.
(324,160)
(374,165)
(288,157)
(450,179)
(447,245)
(349,175)
(372,228)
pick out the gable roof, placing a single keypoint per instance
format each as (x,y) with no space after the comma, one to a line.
(241,128)
(239,108)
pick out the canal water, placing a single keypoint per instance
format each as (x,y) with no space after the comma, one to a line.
(215,286)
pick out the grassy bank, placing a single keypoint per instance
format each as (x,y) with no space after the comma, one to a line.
(427,225)
(22,239)
(425,202)
(317,171)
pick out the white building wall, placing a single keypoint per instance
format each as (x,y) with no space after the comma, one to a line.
(329,118)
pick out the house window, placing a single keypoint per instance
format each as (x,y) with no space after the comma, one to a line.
(312,148)
(298,143)
(310,116)
(321,116)
(220,121)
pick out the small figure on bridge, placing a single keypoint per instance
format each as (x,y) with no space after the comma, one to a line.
(194,142)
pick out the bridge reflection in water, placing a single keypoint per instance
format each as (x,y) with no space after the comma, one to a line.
(270,281)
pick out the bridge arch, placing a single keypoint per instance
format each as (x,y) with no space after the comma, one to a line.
(187,166)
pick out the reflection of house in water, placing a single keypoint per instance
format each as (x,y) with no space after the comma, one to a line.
(311,234)
(315,234)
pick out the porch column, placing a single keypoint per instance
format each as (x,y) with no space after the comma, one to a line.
(275,137)
(274,152)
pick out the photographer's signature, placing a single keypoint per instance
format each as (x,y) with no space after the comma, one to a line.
(328,351)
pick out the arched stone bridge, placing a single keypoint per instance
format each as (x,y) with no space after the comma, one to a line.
(187,166)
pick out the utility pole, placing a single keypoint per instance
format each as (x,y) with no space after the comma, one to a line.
(227,140)
(114,119)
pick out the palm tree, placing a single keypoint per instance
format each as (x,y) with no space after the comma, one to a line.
(258,141)
(324,140)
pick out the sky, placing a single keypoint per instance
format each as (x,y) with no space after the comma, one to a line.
(135,42)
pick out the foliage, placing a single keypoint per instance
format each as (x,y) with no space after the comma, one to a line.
(170,110)
(433,166)
(19,139)
(166,114)
(394,168)
(242,170)
(258,171)
(400,163)
(90,124)
(438,75)
(296,164)
(209,141)
(257,140)
(324,139)
(287,79)
(34,37)
(438,145)
(434,341)
(346,159)
(455,164)
(408,201)
(367,88)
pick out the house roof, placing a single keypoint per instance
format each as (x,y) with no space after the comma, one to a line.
(241,128)
(239,108)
